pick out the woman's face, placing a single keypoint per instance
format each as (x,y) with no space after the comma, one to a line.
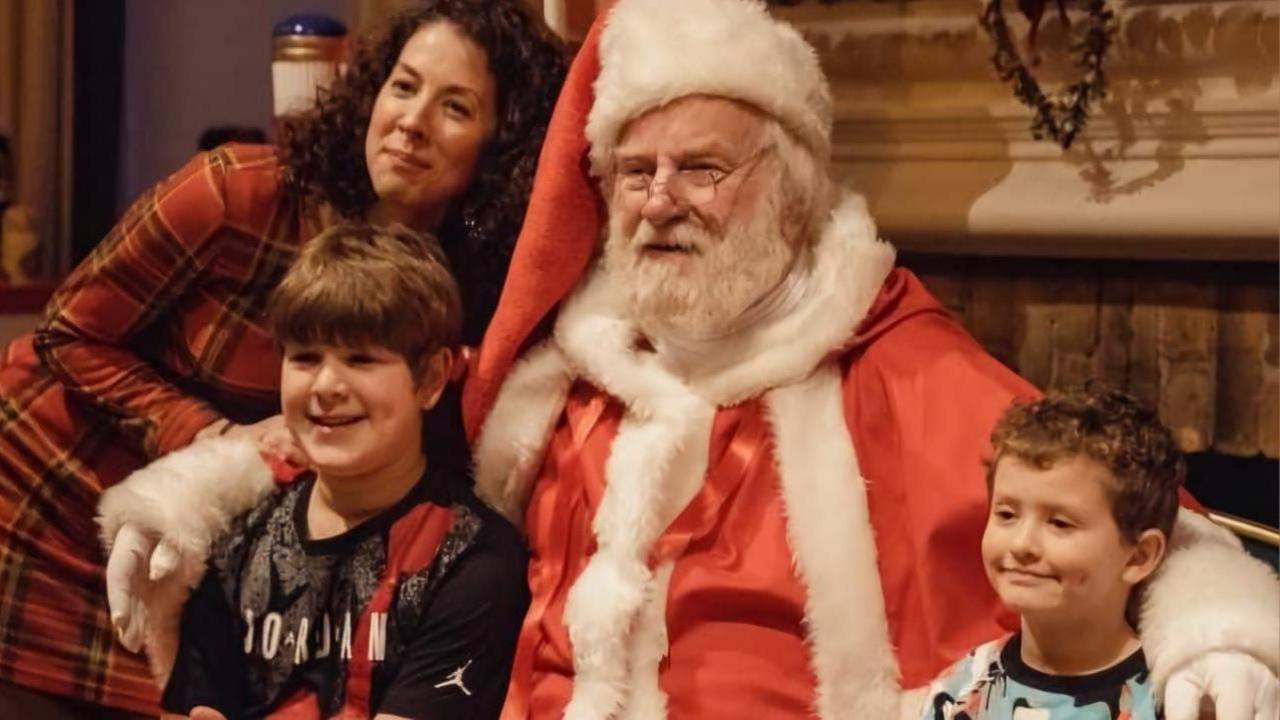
(429,124)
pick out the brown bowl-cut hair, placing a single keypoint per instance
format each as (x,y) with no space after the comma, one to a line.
(360,285)
(1114,430)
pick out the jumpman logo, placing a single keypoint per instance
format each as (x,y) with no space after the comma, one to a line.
(455,678)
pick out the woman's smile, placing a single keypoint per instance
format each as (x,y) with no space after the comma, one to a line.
(403,159)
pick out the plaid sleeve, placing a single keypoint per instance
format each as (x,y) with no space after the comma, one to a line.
(131,279)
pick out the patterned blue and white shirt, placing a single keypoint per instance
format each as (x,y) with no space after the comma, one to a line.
(993,683)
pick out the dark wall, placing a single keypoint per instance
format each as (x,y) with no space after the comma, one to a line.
(189,65)
(98,62)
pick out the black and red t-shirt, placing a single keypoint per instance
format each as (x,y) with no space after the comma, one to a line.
(276,614)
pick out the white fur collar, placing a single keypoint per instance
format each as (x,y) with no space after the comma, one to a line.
(847,270)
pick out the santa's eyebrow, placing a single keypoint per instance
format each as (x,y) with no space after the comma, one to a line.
(714,150)
(623,156)
(703,155)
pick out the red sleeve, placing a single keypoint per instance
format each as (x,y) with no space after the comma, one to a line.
(132,278)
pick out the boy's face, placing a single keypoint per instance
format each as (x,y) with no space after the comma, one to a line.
(1052,549)
(355,412)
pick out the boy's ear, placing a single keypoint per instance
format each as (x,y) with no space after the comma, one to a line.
(1148,551)
(436,372)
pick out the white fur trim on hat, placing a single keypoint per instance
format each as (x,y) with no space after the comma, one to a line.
(655,51)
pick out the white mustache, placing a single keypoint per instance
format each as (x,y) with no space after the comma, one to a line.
(682,235)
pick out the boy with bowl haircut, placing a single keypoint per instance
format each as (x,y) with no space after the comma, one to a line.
(375,585)
(1083,494)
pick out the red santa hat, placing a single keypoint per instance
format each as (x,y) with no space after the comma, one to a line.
(640,55)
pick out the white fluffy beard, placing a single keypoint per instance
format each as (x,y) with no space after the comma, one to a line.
(707,293)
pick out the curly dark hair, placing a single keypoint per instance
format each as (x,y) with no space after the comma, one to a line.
(323,149)
(1111,428)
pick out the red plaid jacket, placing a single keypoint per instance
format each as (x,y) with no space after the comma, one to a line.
(158,333)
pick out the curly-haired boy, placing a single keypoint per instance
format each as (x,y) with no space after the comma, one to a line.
(1083,496)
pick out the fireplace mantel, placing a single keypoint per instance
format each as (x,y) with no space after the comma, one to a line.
(1180,161)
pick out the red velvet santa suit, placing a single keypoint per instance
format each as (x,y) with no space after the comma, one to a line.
(700,524)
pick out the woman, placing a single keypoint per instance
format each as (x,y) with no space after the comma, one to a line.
(158,338)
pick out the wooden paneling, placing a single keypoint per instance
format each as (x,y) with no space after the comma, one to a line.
(1198,341)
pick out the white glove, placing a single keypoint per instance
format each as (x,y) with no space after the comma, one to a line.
(135,563)
(1232,684)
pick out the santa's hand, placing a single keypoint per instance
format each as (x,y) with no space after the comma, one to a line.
(136,561)
(1227,685)
(127,573)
